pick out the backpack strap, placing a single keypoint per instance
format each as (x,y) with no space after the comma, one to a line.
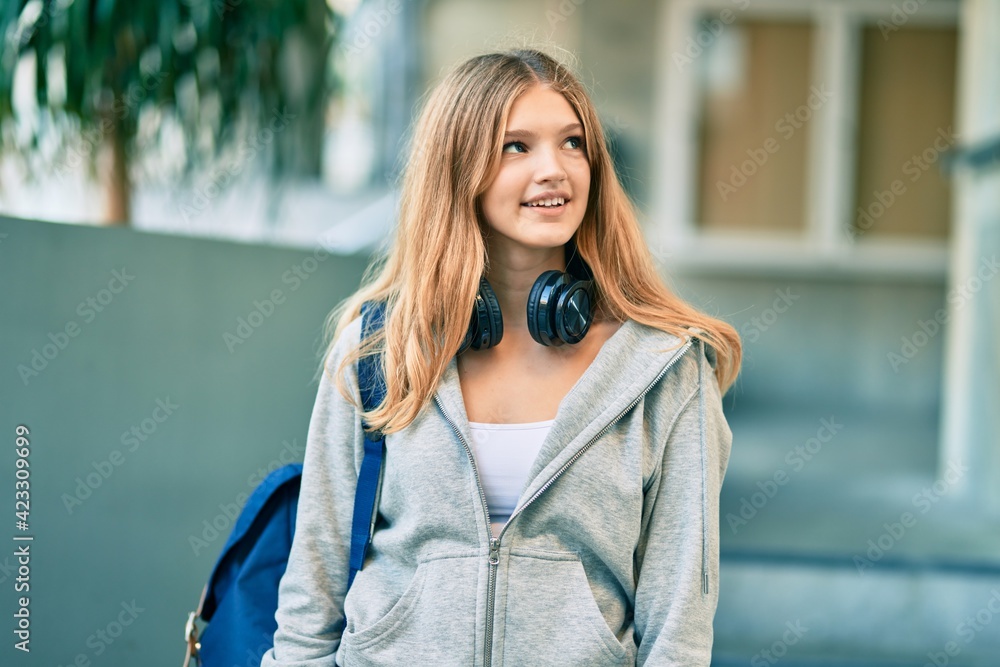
(371,383)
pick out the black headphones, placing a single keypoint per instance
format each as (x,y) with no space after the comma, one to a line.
(559,308)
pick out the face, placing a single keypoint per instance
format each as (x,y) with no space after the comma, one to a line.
(543,156)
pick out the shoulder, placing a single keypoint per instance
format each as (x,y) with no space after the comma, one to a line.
(706,350)
(689,341)
(690,367)
(348,340)
(678,341)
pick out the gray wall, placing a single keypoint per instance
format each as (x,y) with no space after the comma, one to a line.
(159,339)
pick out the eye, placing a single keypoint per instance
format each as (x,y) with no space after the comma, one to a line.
(512,143)
(577,140)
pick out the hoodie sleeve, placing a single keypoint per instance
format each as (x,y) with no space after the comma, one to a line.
(678,552)
(312,589)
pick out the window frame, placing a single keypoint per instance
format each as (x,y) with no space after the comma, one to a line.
(822,246)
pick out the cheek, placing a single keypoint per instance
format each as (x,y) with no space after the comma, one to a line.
(504,191)
(581,176)
(495,207)
(498,204)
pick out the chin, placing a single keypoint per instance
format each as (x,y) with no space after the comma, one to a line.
(550,241)
(567,220)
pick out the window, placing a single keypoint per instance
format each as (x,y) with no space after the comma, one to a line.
(754,94)
(805,135)
(905,122)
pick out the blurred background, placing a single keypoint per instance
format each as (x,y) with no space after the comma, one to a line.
(824,175)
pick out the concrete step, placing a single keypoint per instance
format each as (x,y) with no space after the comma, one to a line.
(817,610)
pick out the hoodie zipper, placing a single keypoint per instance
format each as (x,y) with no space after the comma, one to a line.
(494,557)
(494,554)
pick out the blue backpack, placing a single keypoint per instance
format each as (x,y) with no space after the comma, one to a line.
(241,596)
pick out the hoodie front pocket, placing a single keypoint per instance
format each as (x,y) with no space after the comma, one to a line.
(433,622)
(551,615)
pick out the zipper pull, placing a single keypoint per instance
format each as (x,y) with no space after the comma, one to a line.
(494,551)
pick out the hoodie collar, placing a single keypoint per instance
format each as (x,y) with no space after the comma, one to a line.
(627,363)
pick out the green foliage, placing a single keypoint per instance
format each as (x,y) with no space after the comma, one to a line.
(191,76)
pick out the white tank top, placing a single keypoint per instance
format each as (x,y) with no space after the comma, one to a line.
(504,454)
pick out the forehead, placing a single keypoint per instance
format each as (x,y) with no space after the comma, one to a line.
(540,109)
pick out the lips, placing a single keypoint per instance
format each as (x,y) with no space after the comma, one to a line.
(554,202)
(550,197)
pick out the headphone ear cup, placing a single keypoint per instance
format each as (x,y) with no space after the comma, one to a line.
(486,324)
(573,311)
(542,307)
(494,317)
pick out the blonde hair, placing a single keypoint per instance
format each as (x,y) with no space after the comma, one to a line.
(430,275)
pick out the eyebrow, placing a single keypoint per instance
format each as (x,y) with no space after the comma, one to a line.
(531,135)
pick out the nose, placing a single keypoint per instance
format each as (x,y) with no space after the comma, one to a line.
(549,165)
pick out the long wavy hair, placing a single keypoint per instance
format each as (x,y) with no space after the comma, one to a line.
(429,276)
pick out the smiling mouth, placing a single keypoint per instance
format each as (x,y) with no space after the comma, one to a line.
(542,205)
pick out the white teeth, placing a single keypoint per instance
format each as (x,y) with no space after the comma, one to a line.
(558,201)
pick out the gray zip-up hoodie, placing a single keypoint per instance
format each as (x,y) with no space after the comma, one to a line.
(611,557)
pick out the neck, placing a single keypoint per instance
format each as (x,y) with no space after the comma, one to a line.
(511,274)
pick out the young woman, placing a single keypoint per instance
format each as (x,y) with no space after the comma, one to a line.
(550,492)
